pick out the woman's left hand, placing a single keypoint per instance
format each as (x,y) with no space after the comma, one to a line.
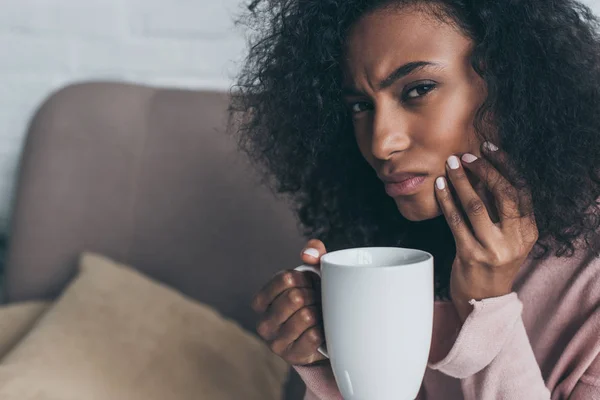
(488,254)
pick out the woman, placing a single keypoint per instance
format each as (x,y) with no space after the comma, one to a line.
(469,129)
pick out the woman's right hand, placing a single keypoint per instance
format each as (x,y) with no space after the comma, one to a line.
(289,305)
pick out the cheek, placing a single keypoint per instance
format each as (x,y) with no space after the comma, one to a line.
(450,124)
(362,137)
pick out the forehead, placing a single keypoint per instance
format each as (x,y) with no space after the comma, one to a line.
(382,40)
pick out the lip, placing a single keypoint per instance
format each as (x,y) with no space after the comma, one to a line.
(405,187)
(400,176)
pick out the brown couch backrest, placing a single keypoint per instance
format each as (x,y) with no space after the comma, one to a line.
(148,177)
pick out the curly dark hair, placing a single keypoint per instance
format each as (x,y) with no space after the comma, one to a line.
(540,61)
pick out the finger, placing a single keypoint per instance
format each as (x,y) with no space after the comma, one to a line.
(284,306)
(506,197)
(311,255)
(502,162)
(281,282)
(474,208)
(294,327)
(461,232)
(308,343)
(312,252)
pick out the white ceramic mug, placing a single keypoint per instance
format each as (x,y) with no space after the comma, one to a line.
(378,319)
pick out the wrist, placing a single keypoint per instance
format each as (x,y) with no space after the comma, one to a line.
(320,363)
(463,308)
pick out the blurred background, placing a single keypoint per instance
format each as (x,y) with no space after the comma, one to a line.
(47,44)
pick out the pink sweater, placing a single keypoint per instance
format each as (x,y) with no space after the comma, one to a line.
(540,342)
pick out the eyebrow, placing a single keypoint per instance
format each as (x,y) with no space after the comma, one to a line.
(399,73)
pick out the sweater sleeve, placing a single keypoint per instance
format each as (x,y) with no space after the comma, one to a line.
(310,395)
(320,382)
(588,387)
(586,390)
(492,355)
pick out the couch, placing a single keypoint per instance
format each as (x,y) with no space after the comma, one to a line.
(148,177)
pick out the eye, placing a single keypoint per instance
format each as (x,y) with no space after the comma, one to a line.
(419,90)
(359,107)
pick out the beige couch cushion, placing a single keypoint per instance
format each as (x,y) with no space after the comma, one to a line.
(115,334)
(16,320)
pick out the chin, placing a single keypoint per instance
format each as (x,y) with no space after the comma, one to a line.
(418,209)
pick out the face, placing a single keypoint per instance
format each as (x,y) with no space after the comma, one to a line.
(413,96)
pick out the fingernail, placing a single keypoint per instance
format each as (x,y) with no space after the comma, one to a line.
(453,162)
(468,158)
(312,252)
(490,146)
(440,183)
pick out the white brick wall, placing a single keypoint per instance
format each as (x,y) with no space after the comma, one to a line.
(46,44)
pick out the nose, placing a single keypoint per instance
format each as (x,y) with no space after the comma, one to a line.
(391,127)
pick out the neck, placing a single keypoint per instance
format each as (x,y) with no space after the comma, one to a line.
(434,236)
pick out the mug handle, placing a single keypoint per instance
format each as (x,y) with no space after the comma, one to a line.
(310,268)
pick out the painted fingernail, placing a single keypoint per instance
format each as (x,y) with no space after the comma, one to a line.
(453,162)
(440,183)
(468,158)
(312,252)
(490,146)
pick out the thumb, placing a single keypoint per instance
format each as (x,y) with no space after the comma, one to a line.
(312,252)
